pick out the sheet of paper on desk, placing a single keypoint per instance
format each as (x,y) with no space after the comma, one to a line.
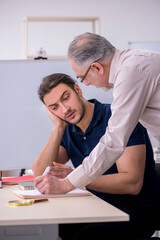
(36,194)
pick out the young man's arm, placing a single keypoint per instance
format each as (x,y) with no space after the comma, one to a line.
(52,151)
(129,178)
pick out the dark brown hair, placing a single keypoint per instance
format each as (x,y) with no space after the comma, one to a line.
(51,81)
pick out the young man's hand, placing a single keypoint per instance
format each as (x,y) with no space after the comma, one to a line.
(56,120)
(60,170)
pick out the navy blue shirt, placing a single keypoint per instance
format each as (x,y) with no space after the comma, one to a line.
(79,145)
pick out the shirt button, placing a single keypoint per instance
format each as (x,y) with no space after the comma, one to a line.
(84,138)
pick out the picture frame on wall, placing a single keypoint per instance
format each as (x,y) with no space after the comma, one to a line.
(50,36)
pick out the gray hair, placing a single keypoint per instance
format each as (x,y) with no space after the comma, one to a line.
(89,47)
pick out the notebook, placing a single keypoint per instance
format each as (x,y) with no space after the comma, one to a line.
(16,180)
(34,194)
(26,185)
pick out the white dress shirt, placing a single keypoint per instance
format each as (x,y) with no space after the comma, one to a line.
(135,77)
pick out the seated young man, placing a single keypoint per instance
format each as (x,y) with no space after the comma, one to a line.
(131,184)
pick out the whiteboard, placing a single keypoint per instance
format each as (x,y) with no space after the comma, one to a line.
(24,123)
(154,46)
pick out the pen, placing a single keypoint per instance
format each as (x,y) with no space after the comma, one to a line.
(0,179)
(46,170)
(44,173)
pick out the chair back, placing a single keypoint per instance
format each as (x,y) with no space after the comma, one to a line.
(157,211)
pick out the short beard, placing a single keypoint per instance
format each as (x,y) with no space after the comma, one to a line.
(82,112)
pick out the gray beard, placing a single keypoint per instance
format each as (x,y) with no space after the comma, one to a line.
(105,89)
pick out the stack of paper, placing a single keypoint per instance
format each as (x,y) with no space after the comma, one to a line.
(36,194)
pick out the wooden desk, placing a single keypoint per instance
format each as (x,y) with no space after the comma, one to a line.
(57,210)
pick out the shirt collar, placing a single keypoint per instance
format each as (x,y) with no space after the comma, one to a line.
(113,67)
(96,117)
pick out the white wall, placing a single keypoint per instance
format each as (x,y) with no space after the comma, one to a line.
(121,20)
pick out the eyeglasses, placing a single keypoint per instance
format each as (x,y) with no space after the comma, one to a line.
(82,79)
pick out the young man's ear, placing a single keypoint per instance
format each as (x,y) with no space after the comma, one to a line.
(78,90)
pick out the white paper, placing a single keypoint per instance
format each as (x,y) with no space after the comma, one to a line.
(35,192)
